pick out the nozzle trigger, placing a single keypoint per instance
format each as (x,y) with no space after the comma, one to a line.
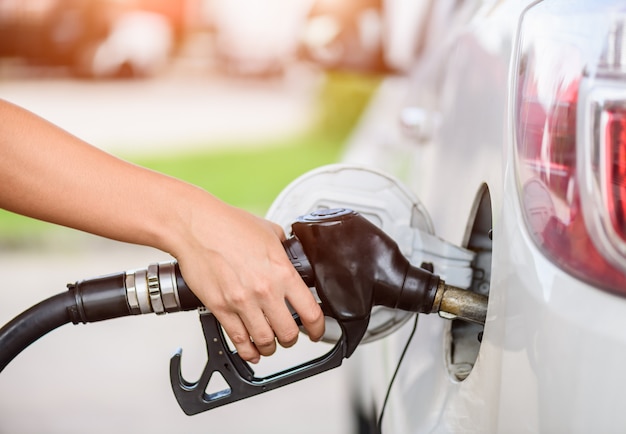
(241,379)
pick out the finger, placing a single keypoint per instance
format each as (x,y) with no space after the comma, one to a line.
(301,299)
(261,332)
(283,324)
(239,336)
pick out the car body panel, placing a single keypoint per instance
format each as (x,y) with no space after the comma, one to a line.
(552,346)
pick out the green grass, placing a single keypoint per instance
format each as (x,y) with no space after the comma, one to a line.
(247,176)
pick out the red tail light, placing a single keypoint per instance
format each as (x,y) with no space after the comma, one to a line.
(570,132)
(615,168)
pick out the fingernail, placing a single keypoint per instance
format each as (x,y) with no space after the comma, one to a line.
(255,360)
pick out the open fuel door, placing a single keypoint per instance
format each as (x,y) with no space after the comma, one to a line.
(390,205)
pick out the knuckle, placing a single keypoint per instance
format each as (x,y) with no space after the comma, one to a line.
(289,337)
(282,270)
(219,305)
(315,324)
(236,297)
(314,315)
(239,339)
(264,340)
(286,272)
(263,289)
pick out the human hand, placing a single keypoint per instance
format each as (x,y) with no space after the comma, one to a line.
(236,265)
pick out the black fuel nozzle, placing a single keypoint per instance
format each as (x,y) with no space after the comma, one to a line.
(356,265)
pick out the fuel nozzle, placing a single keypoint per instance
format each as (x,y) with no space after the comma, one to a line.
(354,266)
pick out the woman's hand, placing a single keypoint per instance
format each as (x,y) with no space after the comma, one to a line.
(236,265)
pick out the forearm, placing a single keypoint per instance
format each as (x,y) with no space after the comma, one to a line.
(48,174)
(232,260)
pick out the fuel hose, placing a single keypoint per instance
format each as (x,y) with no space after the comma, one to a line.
(157,289)
(33,324)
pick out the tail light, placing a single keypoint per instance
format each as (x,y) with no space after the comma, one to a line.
(570,133)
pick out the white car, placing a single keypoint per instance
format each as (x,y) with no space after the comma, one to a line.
(516,118)
(508,136)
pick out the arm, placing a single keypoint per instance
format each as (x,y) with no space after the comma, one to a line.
(48,174)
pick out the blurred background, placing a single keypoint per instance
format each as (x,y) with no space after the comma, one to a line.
(237,96)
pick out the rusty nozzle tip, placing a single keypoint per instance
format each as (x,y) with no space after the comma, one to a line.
(456,303)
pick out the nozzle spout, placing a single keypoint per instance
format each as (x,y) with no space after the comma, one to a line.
(452,302)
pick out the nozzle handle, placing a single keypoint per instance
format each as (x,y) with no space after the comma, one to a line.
(241,379)
(242,382)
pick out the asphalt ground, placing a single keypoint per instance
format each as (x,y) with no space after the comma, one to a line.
(114,376)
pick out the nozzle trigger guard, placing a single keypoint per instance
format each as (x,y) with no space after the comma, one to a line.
(193,397)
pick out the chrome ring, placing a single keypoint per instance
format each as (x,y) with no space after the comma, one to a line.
(169,289)
(154,289)
(131,294)
(141,287)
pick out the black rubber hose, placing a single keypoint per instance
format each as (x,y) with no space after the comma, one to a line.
(33,323)
(87,301)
